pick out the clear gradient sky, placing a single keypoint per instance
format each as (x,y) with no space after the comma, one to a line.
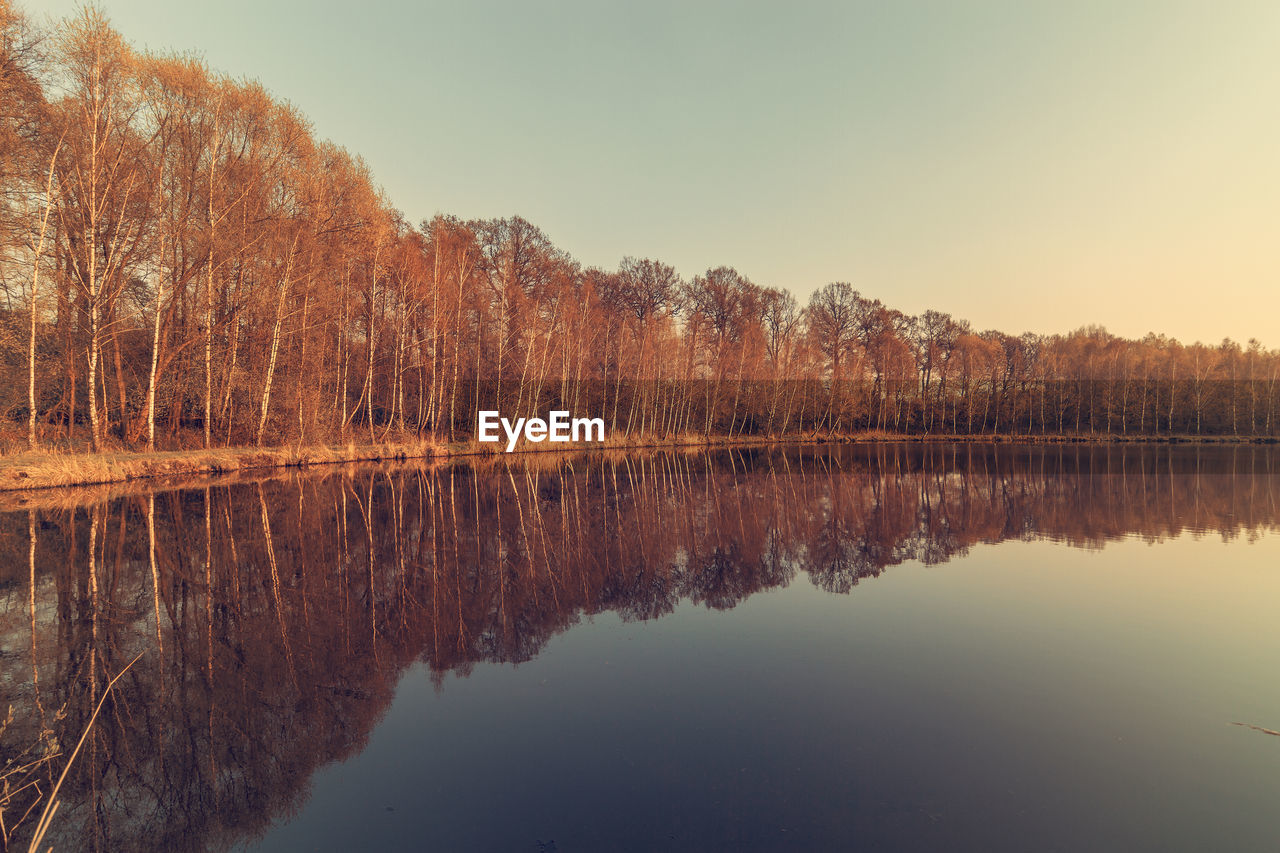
(1030,166)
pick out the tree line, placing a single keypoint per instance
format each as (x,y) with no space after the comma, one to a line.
(183,262)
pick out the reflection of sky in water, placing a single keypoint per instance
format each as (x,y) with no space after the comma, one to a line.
(1028,696)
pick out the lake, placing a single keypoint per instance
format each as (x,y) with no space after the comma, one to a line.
(883,647)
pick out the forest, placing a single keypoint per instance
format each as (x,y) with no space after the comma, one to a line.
(182,263)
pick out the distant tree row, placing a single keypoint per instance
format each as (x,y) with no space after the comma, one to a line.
(182,261)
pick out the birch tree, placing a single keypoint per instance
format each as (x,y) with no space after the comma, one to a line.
(104,186)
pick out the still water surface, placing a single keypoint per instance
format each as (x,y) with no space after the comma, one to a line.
(888,648)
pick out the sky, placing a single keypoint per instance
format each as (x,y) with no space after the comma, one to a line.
(1028,166)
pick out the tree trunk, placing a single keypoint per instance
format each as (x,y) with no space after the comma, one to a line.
(92,379)
(275,347)
(155,358)
(32,440)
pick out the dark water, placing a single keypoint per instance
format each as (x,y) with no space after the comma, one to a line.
(884,648)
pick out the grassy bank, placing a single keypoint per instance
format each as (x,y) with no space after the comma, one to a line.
(51,469)
(43,470)
(54,469)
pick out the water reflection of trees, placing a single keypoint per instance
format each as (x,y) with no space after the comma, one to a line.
(278,616)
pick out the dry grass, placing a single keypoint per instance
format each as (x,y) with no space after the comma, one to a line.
(44,470)
(20,778)
(54,469)
(51,806)
(58,470)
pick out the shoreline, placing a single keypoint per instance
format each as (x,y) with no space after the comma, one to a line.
(33,471)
